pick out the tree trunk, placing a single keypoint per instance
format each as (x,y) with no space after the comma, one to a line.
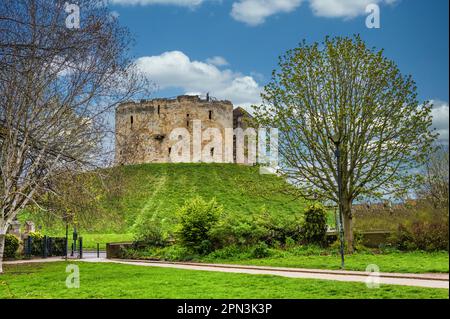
(2,249)
(348,225)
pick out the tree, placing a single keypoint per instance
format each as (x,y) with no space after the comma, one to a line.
(58,83)
(342,88)
(435,185)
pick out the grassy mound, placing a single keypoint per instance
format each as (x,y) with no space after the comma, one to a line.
(160,188)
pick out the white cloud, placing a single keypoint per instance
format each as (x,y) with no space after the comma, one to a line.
(255,12)
(174,69)
(343,8)
(183,3)
(217,61)
(440,119)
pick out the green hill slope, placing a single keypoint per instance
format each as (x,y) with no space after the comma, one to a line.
(161,188)
(158,189)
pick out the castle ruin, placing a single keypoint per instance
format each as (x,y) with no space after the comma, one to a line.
(143,128)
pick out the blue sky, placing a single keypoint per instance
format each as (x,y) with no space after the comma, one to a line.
(230,47)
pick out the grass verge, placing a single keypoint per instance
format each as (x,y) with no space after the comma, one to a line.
(107,280)
(309,257)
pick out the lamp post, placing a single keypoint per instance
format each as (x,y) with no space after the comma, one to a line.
(336,139)
(67,235)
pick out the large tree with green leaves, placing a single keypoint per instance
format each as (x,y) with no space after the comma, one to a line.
(343,89)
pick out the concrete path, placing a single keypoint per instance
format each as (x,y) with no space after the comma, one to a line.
(417,280)
(434,280)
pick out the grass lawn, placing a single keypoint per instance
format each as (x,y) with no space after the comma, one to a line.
(90,240)
(408,262)
(312,257)
(100,280)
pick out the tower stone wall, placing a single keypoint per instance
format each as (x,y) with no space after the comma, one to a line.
(143,128)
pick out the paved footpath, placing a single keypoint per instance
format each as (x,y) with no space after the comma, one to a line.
(435,280)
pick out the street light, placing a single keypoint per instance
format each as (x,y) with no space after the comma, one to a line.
(67,234)
(336,139)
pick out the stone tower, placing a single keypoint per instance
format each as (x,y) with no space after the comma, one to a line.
(142,129)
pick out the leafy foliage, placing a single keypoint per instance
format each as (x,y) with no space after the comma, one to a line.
(422,235)
(343,90)
(196,218)
(315,225)
(261,251)
(257,227)
(150,230)
(11,246)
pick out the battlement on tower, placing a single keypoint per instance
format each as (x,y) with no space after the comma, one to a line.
(143,128)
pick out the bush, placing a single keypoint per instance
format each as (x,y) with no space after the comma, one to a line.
(58,247)
(422,235)
(176,252)
(261,251)
(11,246)
(37,243)
(171,253)
(229,252)
(290,243)
(261,226)
(196,218)
(315,225)
(149,230)
(238,230)
(36,235)
(277,228)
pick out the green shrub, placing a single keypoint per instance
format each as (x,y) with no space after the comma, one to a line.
(196,218)
(229,252)
(261,251)
(233,229)
(37,243)
(11,246)
(149,230)
(290,243)
(277,228)
(176,252)
(260,226)
(422,235)
(171,253)
(315,225)
(36,235)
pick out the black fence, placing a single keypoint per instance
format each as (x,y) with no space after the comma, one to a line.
(50,247)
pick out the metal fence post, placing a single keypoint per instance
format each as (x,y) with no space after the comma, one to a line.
(44,247)
(50,248)
(80,246)
(98,250)
(28,248)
